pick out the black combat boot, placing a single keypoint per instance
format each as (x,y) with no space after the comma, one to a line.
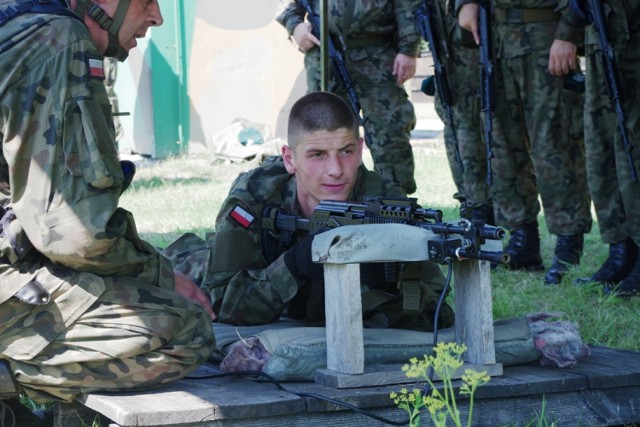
(524,249)
(568,252)
(630,285)
(622,257)
(484,214)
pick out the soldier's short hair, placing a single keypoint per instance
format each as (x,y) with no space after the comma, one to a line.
(319,111)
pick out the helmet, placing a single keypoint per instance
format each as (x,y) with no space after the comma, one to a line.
(110,24)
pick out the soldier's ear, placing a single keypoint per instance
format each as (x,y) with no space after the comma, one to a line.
(289,159)
(360,145)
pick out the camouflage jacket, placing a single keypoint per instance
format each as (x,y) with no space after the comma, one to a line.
(515,38)
(245,288)
(61,177)
(387,22)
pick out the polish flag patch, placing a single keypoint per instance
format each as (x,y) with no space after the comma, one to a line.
(241,216)
(96,68)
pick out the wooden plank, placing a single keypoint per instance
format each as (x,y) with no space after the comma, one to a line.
(343,310)
(389,374)
(511,399)
(474,311)
(532,380)
(608,368)
(195,402)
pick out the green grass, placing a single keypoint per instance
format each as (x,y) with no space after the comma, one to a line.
(178,195)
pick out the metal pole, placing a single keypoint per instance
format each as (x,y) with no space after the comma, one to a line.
(324,46)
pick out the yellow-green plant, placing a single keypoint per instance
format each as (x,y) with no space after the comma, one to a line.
(441,404)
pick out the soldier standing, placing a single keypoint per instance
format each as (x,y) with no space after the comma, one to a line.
(381,49)
(538,131)
(615,196)
(460,55)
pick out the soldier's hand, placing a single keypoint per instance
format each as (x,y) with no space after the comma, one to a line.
(298,261)
(186,288)
(304,38)
(404,67)
(562,58)
(468,19)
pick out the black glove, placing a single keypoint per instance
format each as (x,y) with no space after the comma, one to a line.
(298,261)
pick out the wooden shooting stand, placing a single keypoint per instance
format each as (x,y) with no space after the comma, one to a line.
(342,249)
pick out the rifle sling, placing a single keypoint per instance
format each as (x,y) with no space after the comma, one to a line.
(525,16)
(347,18)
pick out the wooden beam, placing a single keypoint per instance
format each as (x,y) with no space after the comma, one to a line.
(474,311)
(343,310)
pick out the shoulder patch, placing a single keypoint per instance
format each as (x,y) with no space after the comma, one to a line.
(241,216)
(96,68)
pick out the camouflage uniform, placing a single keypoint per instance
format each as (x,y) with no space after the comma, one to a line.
(85,305)
(110,75)
(461,63)
(379,30)
(615,197)
(537,122)
(248,281)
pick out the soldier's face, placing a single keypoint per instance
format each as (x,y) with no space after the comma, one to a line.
(325,164)
(141,15)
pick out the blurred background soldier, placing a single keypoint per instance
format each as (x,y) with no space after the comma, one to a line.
(381,49)
(538,130)
(615,196)
(459,54)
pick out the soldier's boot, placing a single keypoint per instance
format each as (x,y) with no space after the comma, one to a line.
(524,249)
(630,285)
(482,213)
(622,257)
(567,253)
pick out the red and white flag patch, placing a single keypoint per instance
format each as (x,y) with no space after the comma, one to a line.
(96,68)
(241,216)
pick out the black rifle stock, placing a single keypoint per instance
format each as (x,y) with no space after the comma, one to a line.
(611,70)
(425,27)
(454,241)
(337,62)
(486,79)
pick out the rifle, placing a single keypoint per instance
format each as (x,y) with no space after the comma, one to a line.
(611,69)
(486,79)
(337,61)
(455,241)
(425,27)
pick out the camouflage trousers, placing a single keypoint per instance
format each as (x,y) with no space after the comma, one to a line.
(615,196)
(538,148)
(132,336)
(471,178)
(386,107)
(599,147)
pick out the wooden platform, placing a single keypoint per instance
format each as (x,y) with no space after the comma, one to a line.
(603,389)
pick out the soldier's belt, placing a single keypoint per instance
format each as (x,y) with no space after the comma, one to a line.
(524,16)
(369,41)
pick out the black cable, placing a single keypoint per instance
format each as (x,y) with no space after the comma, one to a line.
(302,394)
(443,295)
